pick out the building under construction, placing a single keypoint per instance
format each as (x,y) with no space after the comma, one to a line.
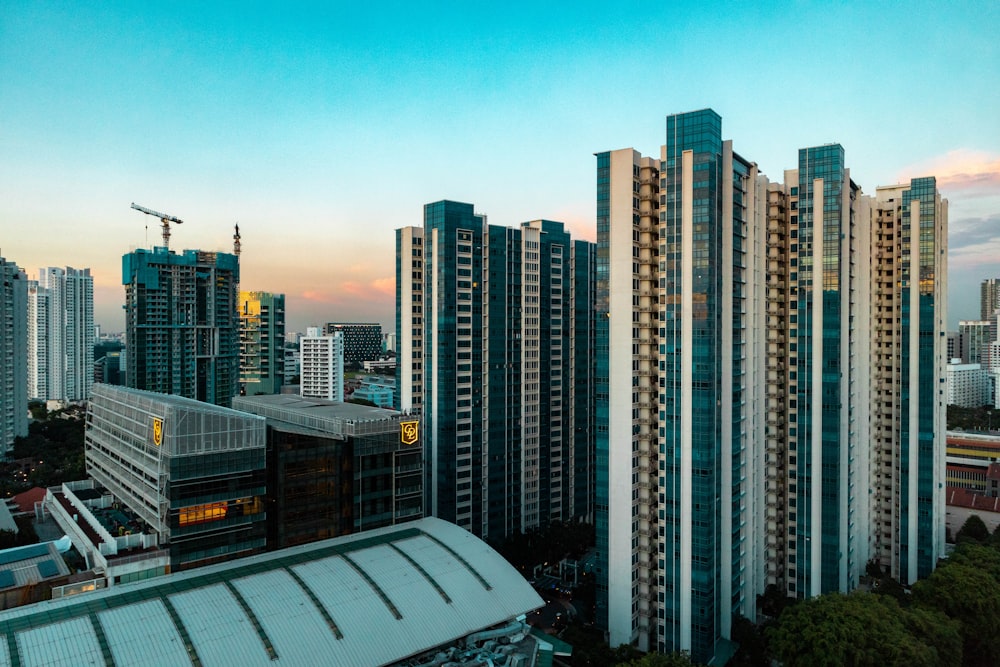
(181,323)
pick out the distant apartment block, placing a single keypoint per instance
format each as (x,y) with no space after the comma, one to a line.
(495,346)
(13,354)
(968,385)
(322,362)
(61,334)
(262,343)
(989,298)
(181,323)
(975,336)
(362,341)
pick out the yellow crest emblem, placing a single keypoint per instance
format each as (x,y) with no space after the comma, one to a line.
(157,431)
(409,432)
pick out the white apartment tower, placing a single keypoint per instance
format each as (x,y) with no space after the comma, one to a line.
(410,318)
(680,390)
(909,239)
(61,334)
(322,359)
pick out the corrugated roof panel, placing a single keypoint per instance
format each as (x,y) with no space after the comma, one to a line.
(220,632)
(356,608)
(4,652)
(286,614)
(465,590)
(67,644)
(143,634)
(427,619)
(510,590)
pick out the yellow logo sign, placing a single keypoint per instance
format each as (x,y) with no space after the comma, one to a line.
(408,432)
(157,431)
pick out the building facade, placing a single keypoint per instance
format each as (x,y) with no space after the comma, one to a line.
(13,354)
(262,343)
(322,362)
(362,341)
(770,384)
(495,345)
(182,324)
(989,298)
(194,472)
(337,468)
(975,336)
(61,334)
(675,390)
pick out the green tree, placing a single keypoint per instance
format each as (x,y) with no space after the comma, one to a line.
(971,596)
(973,529)
(661,660)
(857,629)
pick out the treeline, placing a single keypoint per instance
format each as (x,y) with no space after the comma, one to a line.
(951,618)
(51,453)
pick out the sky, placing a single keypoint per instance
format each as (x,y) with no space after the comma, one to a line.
(321,128)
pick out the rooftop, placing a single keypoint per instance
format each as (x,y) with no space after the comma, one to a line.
(322,416)
(372,598)
(964,498)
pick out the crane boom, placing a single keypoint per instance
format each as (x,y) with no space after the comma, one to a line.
(164,218)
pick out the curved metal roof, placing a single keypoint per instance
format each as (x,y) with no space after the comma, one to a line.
(369,599)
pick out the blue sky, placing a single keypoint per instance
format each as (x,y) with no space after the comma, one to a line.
(322,128)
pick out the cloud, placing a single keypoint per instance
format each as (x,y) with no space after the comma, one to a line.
(969,234)
(352,291)
(971,173)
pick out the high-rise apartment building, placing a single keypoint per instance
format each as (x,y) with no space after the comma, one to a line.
(975,336)
(677,389)
(362,341)
(182,324)
(262,343)
(908,396)
(322,360)
(770,397)
(13,353)
(989,298)
(495,346)
(61,334)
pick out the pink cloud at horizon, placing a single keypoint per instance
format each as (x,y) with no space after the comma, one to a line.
(972,172)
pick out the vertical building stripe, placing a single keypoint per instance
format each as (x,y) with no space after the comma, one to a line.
(431,295)
(914,393)
(816,403)
(687,399)
(847,435)
(725,573)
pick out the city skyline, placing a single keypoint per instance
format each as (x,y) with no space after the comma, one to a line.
(290,122)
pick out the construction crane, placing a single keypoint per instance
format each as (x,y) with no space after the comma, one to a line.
(164,218)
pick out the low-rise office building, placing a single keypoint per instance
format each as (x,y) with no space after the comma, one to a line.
(336,468)
(194,472)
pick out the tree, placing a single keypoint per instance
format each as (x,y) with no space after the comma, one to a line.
(970,596)
(661,660)
(856,629)
(973,529)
